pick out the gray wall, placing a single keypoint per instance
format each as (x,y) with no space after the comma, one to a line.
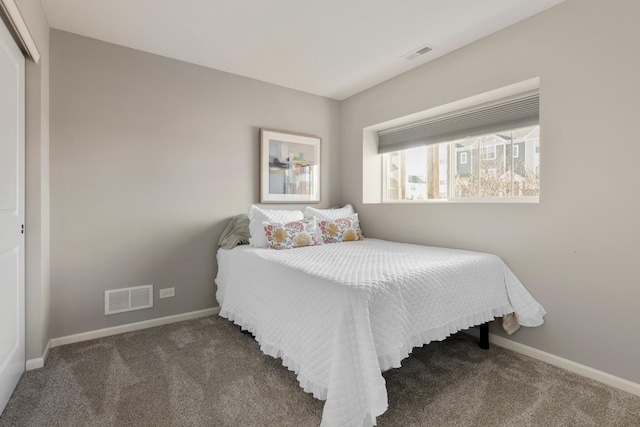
(149,159)
(37,183)
(577,250)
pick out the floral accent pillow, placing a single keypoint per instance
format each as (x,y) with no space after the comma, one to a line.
(295,234)
(257,216)
(339,230)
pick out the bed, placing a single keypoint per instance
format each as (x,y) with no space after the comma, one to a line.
(338,315)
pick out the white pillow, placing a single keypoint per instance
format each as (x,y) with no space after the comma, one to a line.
(329,214)
(257,216)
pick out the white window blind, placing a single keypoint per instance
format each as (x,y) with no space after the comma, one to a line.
(507,113)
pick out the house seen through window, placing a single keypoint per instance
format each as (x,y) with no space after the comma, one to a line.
(502,165)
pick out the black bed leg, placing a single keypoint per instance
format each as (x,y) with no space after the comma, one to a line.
(484,336)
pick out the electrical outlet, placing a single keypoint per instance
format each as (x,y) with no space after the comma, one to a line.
(167,293)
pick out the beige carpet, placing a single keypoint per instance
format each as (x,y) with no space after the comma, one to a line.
(207,373)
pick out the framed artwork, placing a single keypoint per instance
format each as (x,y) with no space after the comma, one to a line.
(289,167)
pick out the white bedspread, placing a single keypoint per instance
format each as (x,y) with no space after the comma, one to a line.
(340,314)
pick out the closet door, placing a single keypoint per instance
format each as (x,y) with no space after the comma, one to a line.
(12,333)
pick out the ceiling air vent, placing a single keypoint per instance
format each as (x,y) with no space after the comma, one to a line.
(419,52)
(128,299)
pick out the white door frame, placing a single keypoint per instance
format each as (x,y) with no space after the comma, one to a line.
(12,17)
(12,203)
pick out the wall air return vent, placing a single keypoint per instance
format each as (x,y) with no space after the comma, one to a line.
(128,299)
(418,52)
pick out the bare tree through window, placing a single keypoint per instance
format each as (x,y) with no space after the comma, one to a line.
(500,165)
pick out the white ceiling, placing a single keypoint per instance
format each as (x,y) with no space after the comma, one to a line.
(333,48)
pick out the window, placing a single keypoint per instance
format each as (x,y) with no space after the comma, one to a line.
(489,152)
(473,168)
(459,151)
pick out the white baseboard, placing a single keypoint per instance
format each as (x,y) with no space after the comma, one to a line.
(552,359)
(129,327)
(39,362)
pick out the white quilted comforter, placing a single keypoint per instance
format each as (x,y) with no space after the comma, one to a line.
(340,314)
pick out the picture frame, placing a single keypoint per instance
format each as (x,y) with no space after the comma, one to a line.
(289,167)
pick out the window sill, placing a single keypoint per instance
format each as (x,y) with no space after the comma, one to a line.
(528,199)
